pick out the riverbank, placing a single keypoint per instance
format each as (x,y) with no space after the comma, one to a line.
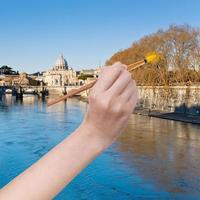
(178,117)
(194,119)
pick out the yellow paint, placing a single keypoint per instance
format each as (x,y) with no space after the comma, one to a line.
(152,57)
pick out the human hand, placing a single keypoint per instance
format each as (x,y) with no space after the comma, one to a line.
(111,102)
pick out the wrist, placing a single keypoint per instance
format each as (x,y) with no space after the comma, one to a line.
(94,136)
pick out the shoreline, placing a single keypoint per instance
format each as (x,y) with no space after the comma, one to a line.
(181,117)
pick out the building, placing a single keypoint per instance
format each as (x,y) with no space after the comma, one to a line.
(38,76)
(22,80)
(17,80)
(60,75)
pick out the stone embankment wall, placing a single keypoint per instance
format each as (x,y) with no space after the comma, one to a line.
(180,99)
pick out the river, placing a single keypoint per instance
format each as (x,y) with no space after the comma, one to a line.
(153,159)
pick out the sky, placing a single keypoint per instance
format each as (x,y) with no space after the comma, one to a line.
(33,33)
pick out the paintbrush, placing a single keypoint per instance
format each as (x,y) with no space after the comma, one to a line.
(150,58)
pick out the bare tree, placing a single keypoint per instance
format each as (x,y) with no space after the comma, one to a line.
(179,47)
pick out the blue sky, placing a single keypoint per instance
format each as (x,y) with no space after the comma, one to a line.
(34,32)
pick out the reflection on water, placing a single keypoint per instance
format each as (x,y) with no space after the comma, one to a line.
(154,158)
(164,152)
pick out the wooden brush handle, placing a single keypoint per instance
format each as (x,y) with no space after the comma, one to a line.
(136,65)
(72,93)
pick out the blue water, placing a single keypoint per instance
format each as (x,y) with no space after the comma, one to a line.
(153,159)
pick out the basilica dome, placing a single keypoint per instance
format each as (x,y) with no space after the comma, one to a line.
(61,64)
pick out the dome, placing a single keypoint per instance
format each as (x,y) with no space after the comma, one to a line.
(61,64)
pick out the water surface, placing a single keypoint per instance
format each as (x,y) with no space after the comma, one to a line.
(153,159)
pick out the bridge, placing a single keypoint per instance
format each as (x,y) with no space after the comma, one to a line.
(41,91)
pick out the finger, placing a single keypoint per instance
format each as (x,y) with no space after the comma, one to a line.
(108,76)
(119,63)
(133,100)
(128,91)
(120,83)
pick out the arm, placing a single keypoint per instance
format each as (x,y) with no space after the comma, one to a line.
(111,100)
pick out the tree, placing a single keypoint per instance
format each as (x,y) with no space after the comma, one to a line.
(7,70)
(85,76)
(180,50)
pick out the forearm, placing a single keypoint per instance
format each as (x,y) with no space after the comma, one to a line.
(49,175)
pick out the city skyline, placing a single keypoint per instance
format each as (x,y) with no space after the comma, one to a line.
(88,33)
